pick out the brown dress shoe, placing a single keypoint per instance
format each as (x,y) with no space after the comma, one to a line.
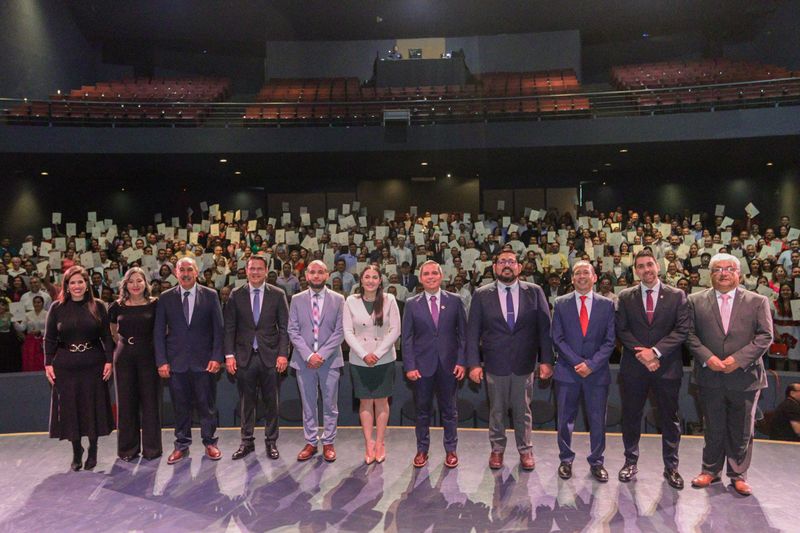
(328,453)
(307,452)
(496,460)
(451,461)
(526,461)
(421,459)
(213,453)
(177,455)
(741,486)
(704,480)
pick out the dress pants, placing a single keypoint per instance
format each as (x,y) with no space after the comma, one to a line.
(250,380)
(729,417)
(138,397)
(196,390)
(513,392)
(634,390)
(444,384)
(595,398)
(310,382)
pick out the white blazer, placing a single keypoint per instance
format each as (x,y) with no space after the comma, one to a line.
(364,337)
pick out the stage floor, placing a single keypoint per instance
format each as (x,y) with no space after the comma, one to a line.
(257,494)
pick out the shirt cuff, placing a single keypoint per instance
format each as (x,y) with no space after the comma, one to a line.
(657,352)
(229,356)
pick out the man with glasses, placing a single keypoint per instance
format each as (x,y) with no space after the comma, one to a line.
(509,330)
(729,331)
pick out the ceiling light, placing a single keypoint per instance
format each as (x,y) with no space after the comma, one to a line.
(595,170)
(123,189)
(223,160)
(607,164)
(238,172)
(449,175)
(424,163)
(44,173)
(769,163)
(623,150)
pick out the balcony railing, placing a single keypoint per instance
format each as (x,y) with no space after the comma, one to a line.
(424,110)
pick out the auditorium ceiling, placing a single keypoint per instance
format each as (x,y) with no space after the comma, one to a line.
(246,25)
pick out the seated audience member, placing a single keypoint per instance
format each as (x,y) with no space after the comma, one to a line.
(786,420)
(787,331)
(10,358)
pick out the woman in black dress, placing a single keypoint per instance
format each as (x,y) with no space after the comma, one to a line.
(138,384)
(78,351)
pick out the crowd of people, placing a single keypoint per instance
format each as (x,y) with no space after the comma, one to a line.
(488,298)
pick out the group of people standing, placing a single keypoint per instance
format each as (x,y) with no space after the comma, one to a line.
(508,338)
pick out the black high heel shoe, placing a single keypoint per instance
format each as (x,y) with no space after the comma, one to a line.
(91,457)
(77,456)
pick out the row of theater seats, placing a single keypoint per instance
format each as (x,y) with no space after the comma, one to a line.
(492,84)
(727,96)
(152,90)
(438,110)
(701,72)
(81,113)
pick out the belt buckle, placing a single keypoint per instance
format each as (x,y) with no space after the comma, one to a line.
(73,348)
(129,340)
(82,347)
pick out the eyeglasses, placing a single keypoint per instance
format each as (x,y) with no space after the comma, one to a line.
(730,270)
(506,262)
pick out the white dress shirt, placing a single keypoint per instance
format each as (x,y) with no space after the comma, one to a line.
(589,296)
(501,295)
(192,298)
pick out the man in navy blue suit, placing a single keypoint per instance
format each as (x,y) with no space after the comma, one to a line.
(434,334)
(583,336)
(188,337)
(509,326)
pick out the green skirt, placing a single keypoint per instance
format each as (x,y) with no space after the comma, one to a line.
(373,382)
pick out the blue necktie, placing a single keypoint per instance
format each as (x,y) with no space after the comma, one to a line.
(509,309)
(256,313)
(186,306)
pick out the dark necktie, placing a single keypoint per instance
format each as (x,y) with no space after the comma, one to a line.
(315,320)
(434,311)
(649,306)
(509,309)
(186,306)
(256,313)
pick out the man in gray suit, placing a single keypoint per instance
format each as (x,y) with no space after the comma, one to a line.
(315,329)
(256,351)
(730,329)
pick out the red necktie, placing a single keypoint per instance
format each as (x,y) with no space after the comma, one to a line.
(584,316)
(649,306)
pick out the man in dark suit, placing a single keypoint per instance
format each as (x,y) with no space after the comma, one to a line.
(188,345)
(256,351)
(434,358)
(652,323)
(509,326)
(729,330)
(583,336)
(407,278)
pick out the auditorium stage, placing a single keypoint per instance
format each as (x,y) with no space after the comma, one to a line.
(257,494)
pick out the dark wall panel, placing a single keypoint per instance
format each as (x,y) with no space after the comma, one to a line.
(443,195)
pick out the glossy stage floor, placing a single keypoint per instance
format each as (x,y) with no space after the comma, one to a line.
(257,494)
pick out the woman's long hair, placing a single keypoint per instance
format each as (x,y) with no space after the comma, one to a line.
(377,309)
(784,308)
(64,297)
(124,294)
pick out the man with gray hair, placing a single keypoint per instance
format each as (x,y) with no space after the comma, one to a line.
(730,329)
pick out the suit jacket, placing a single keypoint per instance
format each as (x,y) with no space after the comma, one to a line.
(188,347)
(667,333)
(573,348)
(240,329)
(364,336)
(301,331)
(412,282)
(506,351)
(424,345)
(749,336)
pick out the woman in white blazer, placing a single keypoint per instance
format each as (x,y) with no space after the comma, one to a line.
(371,323)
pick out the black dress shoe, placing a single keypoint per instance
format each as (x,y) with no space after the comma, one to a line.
(565,470)
(599,473)
(243,451)
(673,478)
(77,457)
(129,458)
(91,458)
(628,472)
(272,451)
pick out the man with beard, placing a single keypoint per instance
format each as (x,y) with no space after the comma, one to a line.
(188,344)
(509,326)
(315,329)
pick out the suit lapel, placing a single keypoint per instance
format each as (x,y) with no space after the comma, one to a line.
(735,306)
(594,315)
(637,296)
(711,300)
(197,295)
(525,297)
(494,302)
(426,311)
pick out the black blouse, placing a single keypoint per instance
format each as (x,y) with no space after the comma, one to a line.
(71,322)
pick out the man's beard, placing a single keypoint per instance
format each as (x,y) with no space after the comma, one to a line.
(507,276)
(316,286)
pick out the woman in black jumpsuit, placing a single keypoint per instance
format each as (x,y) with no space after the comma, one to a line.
(78,350)
(136,377)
